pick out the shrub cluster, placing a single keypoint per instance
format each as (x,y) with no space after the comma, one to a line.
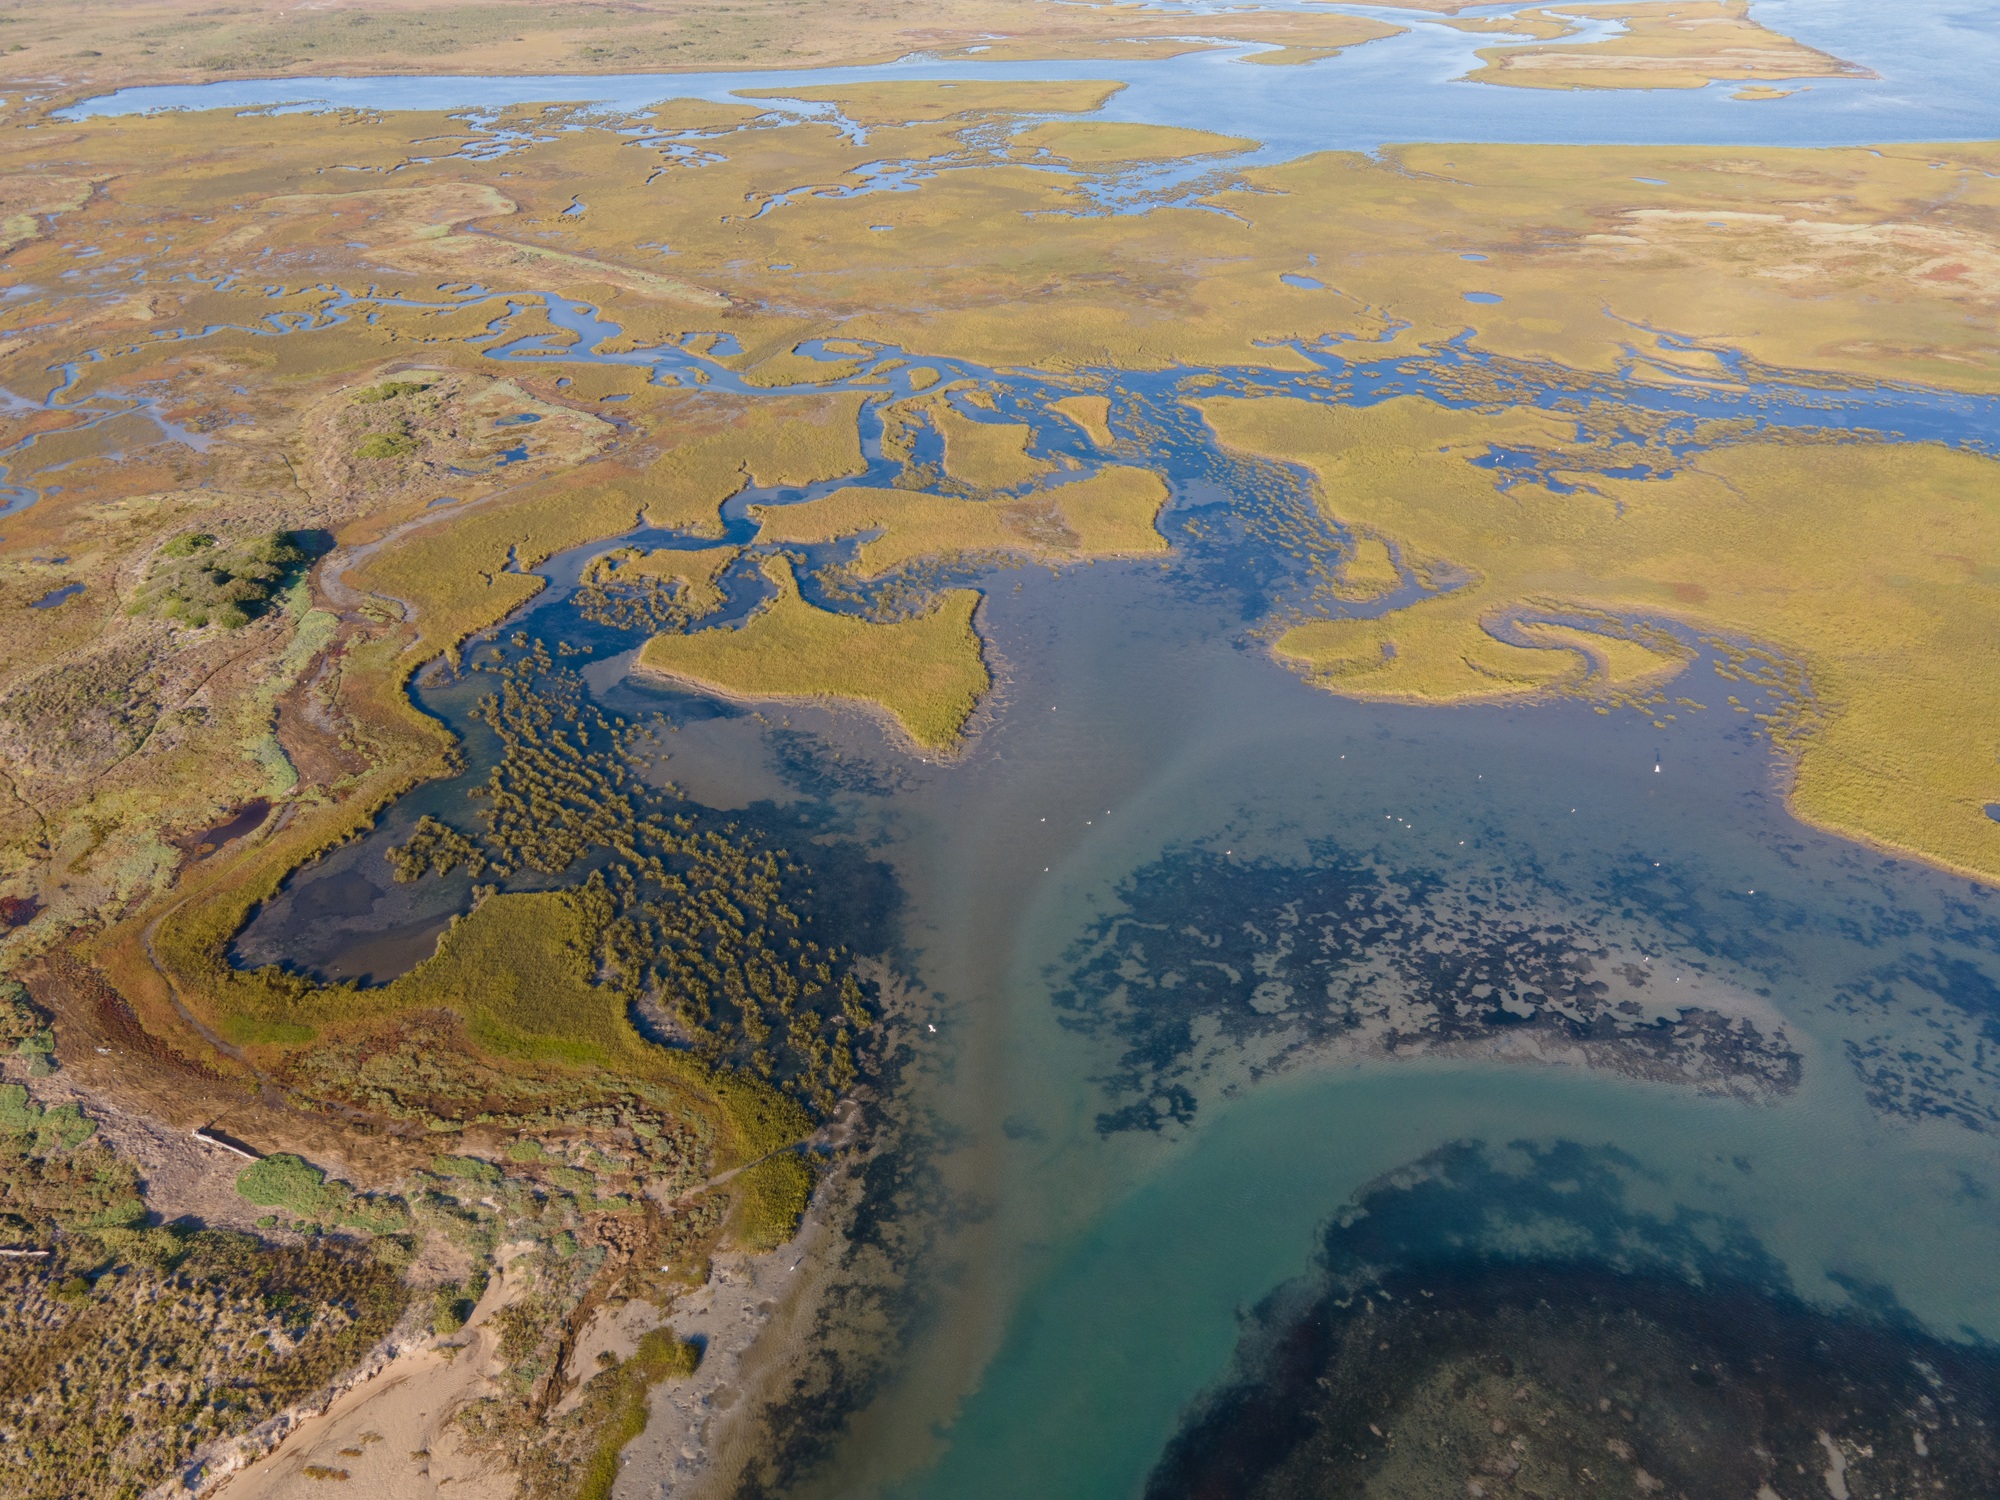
(199,579)
(703,915)
(114,1369)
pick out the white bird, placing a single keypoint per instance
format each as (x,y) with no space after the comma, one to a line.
(931,1024)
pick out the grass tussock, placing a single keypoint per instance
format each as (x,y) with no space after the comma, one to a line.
(928,673)
(769,1199)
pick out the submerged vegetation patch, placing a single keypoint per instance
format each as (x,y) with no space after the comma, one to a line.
(1488,1323)
(1217,967)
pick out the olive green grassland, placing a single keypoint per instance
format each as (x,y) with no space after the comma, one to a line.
(926,673)
(464,574)
(1108,513)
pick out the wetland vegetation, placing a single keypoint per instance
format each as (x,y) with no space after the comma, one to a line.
(772,399)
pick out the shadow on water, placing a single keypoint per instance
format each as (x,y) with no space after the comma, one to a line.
(1510,1322)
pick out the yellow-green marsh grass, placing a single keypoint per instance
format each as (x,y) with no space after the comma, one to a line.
(1090,141)
(1114,511)
(894,103)
(1877,566)
(699,571)
(987,455)
(517,969)
(1091,413)
(1614,661)
(456,573)
(1369,570)
(926,673)
(1682,46)
(768,1198)
(1109,513)
(790,367)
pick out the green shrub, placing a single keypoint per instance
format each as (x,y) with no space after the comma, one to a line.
(770,1198)
(293,1184)
(389,390)
(198,580)
(60,1129)
(376,1215)
(20,1017)
(386,445)
(450,1307)
(470,1168)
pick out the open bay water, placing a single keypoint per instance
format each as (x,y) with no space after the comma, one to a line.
(1934,62)
(1105,1272)
(1128,904)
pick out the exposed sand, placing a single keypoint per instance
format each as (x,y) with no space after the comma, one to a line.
(748,1298)
(391,1434)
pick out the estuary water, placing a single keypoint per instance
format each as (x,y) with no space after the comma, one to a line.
(1237,1008)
